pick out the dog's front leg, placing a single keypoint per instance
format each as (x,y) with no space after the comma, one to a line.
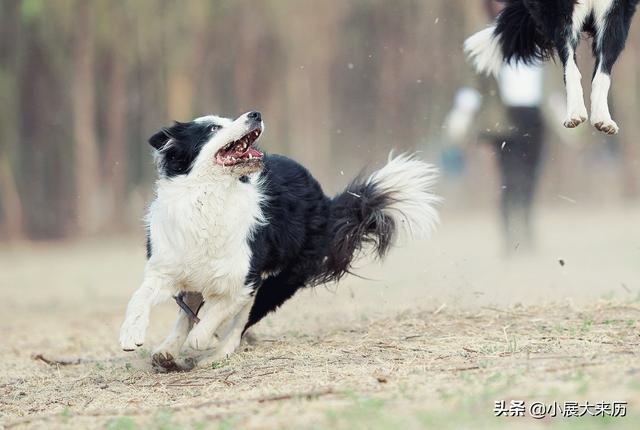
(165,356)
(155,289)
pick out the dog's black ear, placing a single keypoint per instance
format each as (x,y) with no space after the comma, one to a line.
(160,139)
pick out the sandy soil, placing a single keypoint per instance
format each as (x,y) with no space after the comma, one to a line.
(431,339)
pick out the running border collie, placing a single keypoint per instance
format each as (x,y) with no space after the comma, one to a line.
(237,232)
(530,31)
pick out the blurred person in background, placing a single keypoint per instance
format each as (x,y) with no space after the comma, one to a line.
(518,141)
(519,151)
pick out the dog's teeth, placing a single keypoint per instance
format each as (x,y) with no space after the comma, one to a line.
(250,157)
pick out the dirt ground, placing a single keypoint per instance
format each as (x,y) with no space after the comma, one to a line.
(431,339)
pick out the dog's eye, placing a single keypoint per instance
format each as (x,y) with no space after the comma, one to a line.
(215,127)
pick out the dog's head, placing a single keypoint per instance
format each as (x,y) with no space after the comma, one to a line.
(210,145)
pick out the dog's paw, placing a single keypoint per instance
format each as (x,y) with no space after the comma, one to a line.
(224,354)
(171,345)
(575,120)
(607,126)
(165,362)
(226,349)
(576,116)
(132,334)
(200,339)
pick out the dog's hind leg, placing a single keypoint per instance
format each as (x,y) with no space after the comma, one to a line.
(576,110)
(216,311)
(276,290)
(600,115)
(607,46)
(230,341)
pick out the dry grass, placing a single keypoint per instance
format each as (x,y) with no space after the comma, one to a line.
(410,368)
(401,353)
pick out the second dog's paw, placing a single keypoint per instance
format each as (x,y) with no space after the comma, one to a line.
(574,120)
(607,126)
(576,116)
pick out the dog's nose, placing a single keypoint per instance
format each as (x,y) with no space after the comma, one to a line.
(256,116)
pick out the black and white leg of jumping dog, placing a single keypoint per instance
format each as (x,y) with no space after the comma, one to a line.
(239,232)
(607,47)
(532,31)
(566,45)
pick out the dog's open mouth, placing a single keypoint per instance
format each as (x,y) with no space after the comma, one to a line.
(240,151)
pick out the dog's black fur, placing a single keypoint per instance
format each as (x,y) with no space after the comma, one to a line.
(311,239)
(189,138)
(534,30)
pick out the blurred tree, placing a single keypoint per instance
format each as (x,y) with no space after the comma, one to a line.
(114,51)
(11,225)
(84,83)
(87,168)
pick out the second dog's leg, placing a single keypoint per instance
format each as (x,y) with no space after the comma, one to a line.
(576,109)
(607,48)
(600,115)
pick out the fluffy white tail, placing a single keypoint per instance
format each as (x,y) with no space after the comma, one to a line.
(484,49)
(395,199)
(408,182)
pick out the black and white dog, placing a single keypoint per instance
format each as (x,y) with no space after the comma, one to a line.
(528,31)
(241,231)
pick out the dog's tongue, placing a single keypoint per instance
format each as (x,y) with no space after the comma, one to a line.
(254,152)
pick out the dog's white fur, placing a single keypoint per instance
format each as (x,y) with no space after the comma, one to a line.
(199,220)
(412,210)
(576,109)
(600,114)
(485,51)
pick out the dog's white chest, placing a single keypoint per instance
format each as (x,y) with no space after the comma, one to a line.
(201,233)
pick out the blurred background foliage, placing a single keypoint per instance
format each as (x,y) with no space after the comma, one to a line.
(340,83)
